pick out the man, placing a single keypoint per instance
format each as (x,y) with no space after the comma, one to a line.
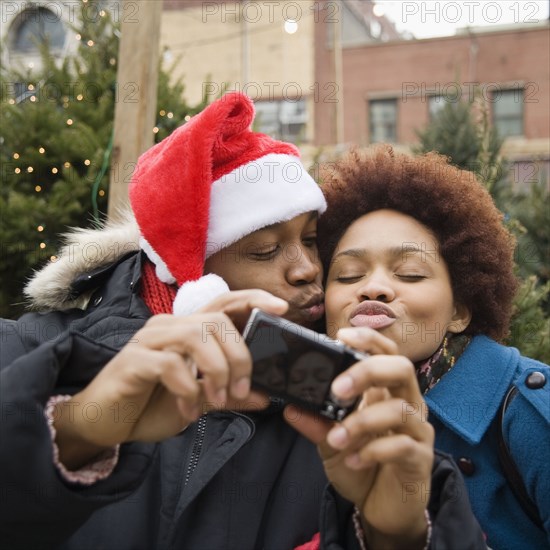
(87,392)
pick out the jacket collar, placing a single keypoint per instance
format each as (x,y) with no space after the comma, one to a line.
(87,252)
(468,397)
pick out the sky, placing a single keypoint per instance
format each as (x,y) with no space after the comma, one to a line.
(427,18)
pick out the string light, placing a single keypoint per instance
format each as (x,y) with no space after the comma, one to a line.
(16,156)
(78,37)
(53,258)
(155,130)
(67,164)
(33,99)
(69,122)
(54,170)
(90,43)
(17,170)
(42,245)
(112,61)
(42,150)
(30,169)
(79,97)
(170,115)
(162,113)
(101,193)
(102,13)
(11,101)
(290,26)
(30,87)
(378,10)
(38,188)
(87,162)
(187,118)
(40,228)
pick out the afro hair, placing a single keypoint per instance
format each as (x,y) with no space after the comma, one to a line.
(451,202)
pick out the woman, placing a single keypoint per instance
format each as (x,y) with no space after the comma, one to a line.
(415,249)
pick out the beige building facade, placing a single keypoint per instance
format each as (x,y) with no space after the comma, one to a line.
(264,49)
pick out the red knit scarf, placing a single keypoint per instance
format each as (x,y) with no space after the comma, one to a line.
(157,295)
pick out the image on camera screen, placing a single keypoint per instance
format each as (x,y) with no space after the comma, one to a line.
(294,363)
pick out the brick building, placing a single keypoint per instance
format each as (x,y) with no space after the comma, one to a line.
(392,89)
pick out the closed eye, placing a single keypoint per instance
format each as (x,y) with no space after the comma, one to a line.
(411,277)
(263,255)
(348,279)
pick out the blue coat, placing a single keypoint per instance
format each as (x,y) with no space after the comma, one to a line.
(464,408)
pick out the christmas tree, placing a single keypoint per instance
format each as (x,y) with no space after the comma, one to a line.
(462,132)
(56,126)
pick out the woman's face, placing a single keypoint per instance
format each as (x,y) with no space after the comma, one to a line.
(387,274)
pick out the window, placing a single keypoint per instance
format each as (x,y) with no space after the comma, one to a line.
(508,112)
(436,104)
(383,120)
(282,119)
(35,26)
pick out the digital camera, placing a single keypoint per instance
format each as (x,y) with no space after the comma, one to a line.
(297,365)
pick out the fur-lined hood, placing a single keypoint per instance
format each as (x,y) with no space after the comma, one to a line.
(84,250)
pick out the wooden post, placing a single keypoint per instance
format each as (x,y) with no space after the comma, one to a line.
(136,98)
(338,76)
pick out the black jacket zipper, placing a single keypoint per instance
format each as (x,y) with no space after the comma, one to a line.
(197,447)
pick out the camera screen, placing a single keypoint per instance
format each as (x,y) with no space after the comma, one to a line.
(287,363)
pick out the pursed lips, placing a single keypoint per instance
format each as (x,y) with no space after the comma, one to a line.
(313,307)
(375,315)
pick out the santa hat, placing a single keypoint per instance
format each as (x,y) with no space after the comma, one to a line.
(207,185)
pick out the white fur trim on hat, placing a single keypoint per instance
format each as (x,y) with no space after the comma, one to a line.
(196,294)
(161,269)
(274,188)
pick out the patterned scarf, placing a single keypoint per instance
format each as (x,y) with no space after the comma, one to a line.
(430,371)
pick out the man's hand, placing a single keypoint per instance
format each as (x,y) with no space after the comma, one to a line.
(380,456)
(173,370)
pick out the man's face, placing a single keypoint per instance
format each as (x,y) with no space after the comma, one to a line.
(281,259)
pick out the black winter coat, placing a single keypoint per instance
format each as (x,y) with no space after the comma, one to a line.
(230,481)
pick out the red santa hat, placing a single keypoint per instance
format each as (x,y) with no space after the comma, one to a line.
(207,185)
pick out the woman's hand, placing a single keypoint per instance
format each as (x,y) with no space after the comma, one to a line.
(380,456)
